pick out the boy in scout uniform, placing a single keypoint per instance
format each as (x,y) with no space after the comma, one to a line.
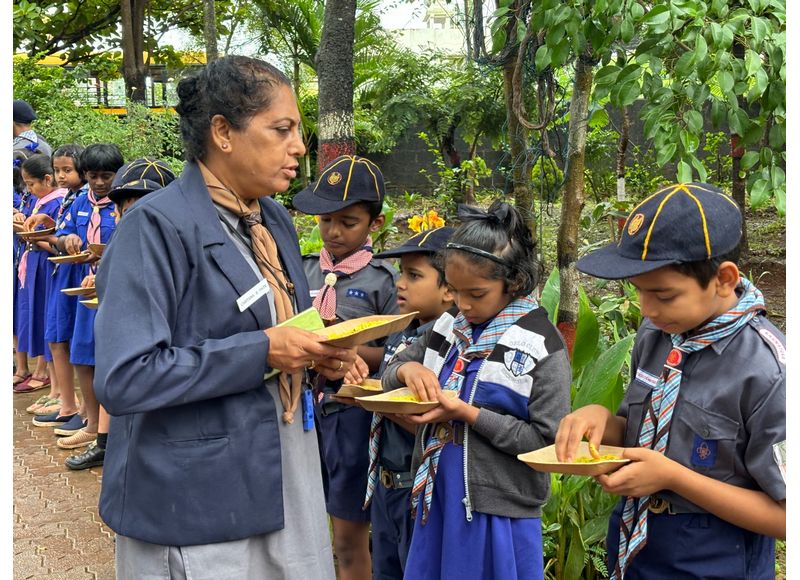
(347,282)
(704,417)
(421,288)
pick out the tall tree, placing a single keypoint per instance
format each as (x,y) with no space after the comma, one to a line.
(210,30)
(134,70)
(334,64)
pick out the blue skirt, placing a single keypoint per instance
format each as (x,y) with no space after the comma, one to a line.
(490,546)
(61,308)
(33,296)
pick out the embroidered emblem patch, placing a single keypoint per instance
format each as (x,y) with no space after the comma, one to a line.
(334,177)
(519,362)
(704,452)
(461,364)
(635,223)
(356,293)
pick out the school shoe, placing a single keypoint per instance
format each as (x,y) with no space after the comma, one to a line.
(81,438)
(92,457)
(52,420)
(70,427)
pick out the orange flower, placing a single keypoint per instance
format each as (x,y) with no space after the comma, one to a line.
(427,221)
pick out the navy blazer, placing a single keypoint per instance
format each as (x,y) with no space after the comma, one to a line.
(193,452)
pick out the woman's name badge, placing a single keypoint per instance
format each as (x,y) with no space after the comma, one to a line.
(247,299)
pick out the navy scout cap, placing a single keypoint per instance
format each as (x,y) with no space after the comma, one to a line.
(23,112)
(346,180)
(425,242)
(684,222)
(140,177)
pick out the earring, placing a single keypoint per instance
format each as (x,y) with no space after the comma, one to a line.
(224,145)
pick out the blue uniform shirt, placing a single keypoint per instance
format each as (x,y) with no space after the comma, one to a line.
(731,410)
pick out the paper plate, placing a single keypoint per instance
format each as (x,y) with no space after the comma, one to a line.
(362,330)
(33,234)
(79,291)
(97,249)
(545,460)
(71,258)
(385,403)
(365,389)
(92,303)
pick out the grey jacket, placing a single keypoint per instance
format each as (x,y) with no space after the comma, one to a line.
(497,482)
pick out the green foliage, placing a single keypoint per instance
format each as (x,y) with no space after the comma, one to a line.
(449,183)
(575,519)
(547,176)
(52,91)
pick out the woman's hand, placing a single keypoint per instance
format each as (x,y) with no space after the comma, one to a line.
(72,244)
(357,373)
(336,366)
(40,219)
(292,349)
(88,281)
(19,217)
(422,381)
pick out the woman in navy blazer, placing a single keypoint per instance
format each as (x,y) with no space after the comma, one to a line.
(202,478)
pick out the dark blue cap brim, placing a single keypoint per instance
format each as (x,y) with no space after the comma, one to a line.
(608,264)
(403,250)
(121,194)
(308,203)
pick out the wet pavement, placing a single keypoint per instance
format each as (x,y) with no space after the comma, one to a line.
(58,533)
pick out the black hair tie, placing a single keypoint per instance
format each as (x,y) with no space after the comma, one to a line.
(499,215)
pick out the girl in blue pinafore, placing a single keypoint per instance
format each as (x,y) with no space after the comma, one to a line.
(23,205)
(35,270)
(478,508)
(61,308)
(90,219)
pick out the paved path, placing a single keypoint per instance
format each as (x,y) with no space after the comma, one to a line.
(58,533)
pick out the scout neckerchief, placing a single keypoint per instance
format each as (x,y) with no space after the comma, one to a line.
(93,230)
(23,261)
(265,252)
(325,301)
(467,351)
(66,203)
(654,432)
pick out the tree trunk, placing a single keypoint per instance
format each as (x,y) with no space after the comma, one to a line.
(133,67)
(622,147)
(334,63)
(739,184)
(574,198)
(210,30)
(518,144)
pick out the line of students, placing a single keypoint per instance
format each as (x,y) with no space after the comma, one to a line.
(443,492)
(93,188)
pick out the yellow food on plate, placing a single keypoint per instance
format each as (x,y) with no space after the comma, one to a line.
(405,398)
(355,329)
(607,457)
